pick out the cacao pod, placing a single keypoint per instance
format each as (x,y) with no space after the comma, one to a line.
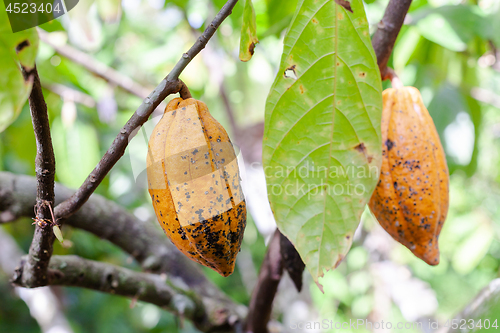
(194,183)
(411,197)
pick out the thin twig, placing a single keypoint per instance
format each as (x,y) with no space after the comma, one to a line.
(107,73)
(485,96)
(171,84)
(388,29)
(261,303)
(68,93)
(117,148)
(229,111)
(496,54)
(45,168)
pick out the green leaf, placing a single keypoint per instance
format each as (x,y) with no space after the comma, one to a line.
(444,107)
(279,13)
(58,233)
(404,48)
(437,29)
(470,78)
(453,26)
(248,32)
(322,146)
(474,247)
(16,49)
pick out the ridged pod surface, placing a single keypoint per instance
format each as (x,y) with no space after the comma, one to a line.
(194,184)
(411,197)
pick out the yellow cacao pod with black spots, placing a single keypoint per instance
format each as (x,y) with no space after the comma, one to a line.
(411,197)
(194,184)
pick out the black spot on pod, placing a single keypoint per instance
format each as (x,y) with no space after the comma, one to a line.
(389,144)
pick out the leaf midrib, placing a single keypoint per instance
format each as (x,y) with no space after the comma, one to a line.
(331,136)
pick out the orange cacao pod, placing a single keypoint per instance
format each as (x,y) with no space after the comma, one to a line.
(411,197)
(194,184)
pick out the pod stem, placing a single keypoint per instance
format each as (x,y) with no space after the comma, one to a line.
(184,92)
(390,74)
(388,29)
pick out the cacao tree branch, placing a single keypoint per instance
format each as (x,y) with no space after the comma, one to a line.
(171,84)
(45,168)
(152,288)
(10,256)
(261,303)
(388,29)
(143,240)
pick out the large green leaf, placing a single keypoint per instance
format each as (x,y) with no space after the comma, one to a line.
(322,146)
(16,49)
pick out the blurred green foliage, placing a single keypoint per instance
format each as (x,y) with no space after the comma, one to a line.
(447,49)
(14,90)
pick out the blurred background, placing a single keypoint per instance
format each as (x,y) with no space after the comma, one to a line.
(449,49)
